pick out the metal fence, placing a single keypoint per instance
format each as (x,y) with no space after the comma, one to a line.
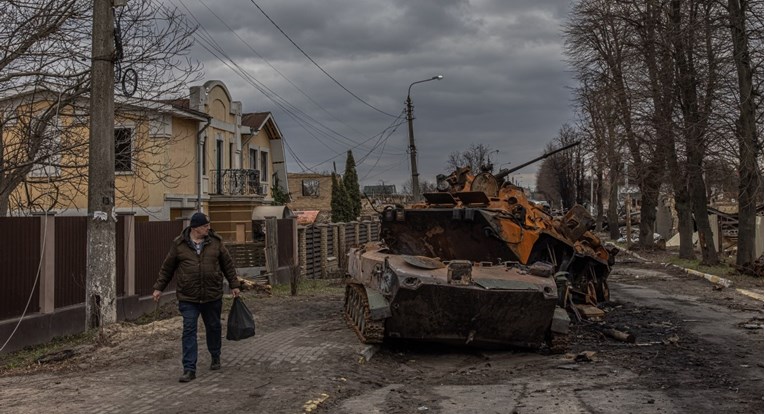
(236,182)
(70,260)
(19,264)
(21,259)
(152,242)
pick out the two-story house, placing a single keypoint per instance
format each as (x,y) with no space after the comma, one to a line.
(171,159)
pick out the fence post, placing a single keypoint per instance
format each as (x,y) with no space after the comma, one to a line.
(342,249)
(302,252)
(335,238)
(272,258)
(129,253)
(369,231)
(357,235)
(323,249)
(47,275)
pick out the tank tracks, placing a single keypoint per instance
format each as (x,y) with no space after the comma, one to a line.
(356,311)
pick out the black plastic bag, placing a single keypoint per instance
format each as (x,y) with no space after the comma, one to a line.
(241,325)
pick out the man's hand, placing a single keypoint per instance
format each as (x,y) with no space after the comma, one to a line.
(156,295)
(235,292)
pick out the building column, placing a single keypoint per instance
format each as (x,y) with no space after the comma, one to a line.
(47,276)
(323,248)
(129,246)
(302,259)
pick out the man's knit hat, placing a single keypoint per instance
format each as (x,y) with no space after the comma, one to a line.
(198,219)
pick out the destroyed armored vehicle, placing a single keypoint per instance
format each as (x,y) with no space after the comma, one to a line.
(478,264)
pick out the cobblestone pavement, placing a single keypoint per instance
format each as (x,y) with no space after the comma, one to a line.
(251,369)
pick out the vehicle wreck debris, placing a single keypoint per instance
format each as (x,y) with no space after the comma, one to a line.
(476,264)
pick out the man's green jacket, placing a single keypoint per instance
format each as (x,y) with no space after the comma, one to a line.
(199,277)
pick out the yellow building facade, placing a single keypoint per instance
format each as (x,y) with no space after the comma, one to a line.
(201,153)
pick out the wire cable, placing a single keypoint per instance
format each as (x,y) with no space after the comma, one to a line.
(316,64)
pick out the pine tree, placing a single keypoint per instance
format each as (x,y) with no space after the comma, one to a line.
(351,184)
(339,203)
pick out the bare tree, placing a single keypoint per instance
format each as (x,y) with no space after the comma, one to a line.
(749,98)
(45,65)
(426,186)
(477,156)
(562,175)
(598,123)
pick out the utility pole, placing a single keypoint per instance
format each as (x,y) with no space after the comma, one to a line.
(412,152)
(412,148)
(101,292)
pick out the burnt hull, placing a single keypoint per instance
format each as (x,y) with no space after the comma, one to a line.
(458,303)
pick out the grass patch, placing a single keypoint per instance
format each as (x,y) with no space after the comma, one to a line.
(29,355)
(311,287)
(719,270)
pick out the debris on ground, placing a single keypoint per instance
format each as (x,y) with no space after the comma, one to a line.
(254,285)
(56,356)
(585,356)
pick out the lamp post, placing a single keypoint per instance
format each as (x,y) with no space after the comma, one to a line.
(412,148)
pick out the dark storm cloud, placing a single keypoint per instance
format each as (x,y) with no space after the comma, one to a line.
(505,82)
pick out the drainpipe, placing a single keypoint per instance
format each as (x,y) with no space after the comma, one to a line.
(200,152)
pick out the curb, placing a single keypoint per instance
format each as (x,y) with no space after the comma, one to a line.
(712,278)
(749,293)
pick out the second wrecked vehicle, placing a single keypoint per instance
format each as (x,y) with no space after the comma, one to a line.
(475,264)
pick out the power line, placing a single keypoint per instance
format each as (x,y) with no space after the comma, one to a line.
(208,42)
(317,65)
(249,46)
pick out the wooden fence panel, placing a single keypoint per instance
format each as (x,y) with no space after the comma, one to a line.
(248,254)
(330,242)
(350,235)
(313,252)
(19,261)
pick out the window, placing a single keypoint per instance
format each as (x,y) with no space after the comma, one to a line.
(263,166)
(231,156)
(253,159)
(311,188)
(123,154)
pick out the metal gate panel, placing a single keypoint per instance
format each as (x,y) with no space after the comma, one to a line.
(71,260)
(152,242)
(19,261)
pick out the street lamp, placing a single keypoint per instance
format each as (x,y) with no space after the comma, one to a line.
(412,148)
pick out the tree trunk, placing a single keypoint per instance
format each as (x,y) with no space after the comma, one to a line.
(694,123)
(613,215)
(748,171)
(685,223)
(4,200)
(649,199)
(599,203)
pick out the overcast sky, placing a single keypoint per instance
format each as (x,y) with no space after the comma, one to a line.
(505,81)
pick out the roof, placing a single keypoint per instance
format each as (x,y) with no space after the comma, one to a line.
(255,120)
(262,120)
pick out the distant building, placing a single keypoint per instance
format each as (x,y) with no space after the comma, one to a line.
(379,190)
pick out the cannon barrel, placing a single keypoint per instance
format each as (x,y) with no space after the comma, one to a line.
(505,172)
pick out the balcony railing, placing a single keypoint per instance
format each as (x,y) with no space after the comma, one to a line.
(236,182)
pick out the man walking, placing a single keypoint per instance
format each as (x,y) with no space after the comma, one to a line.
(198,260)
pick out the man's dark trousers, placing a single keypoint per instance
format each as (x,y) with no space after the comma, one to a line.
(210,312)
